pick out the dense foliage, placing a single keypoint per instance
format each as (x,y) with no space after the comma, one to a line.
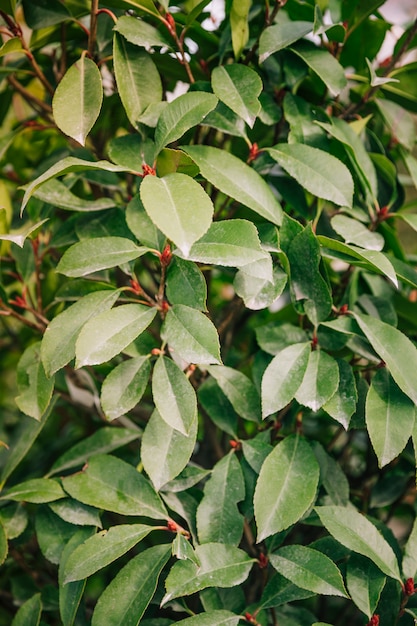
(208,314)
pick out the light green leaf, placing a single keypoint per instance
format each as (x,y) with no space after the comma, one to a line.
(211,618)
(279,36)
(259,293)
(273,338)
(390,416)
(191,335)
(409,564)
(238,87)
(14,44)
(221,566)
(323,64)
(139,33)
(309,569)
(56,193)
(356,532)
(400,122)
(174,395)
(29,613)
(178,206)
(239,390)
(218,517)
(14,519)
(365,583)
(395,349)
(186,284)
(283,376)
(165,451)
(144,5)
(123,388)
(332,476)
(142,226)
(101,549)
(368,259)
(342,404)
(77,100)
(76,513)
(317,171)
(65,166)
(70,595)
(98,253)
(125,599)
(109,333)
(237,180)
(239,15)
(3,544)
(320,382)
(181,114)
(355,232)
(281,497)
(233,243)
(113,485)
(223,119)
(20,238)
(105,439)
(137,78)
(35,389)
(36,490)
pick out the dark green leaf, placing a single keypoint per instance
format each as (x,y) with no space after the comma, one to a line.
(186,284)
(29,613)
(239,390)
(365,583)
(279,36)
(70,595)
(191,335)
(323,64)
(239,87)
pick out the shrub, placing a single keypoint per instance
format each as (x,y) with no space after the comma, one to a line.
(208,314)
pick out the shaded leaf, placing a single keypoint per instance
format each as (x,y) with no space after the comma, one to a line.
(239,390)
(114,485)
(35,389)
(365,583)
(279,36)
(281,497)
(70,595)
(323,64)
(239,87)
(186,284)
(29,613)
(342,404)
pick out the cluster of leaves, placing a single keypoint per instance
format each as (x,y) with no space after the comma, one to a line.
(210,304)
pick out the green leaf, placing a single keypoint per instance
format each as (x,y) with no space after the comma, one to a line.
(259,294)
(356,532)
(180,115)
(409,564)
(19,239)
(70,595)
(114,485)
(323,64)
(221,566)
(309,569)
(239,16)
(218,407)
(395,349)
(13,519)
(56,193)
(191,335)
(36,490)
(110,332)
(29,613)
(211,618)
(355,232)
(342,404)
(233,243)
(102,549)
(76,513)
(279,590)
(98,253)
(332,477)
(238,87)
(218,517)
(142,226)
(174,395)
(139,33)
(320,382)
(58,343)
(125,599)
(368,259)
(281,498)
(166,451)
(104,440)
(273,338)
(390,416)
(26,435)
(35,389)
(365,583)
(77,100)
(400,121)
(279,36)
(186,284)
(319,172)
(44,14)
(3,544)
(123,388)
(239,390)
(137,77)
(178,206)
(170,160)
(224,120)
(52,533)
(283,376)
(65,166)
(237,180)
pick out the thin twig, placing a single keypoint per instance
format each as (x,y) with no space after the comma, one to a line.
(93,28)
